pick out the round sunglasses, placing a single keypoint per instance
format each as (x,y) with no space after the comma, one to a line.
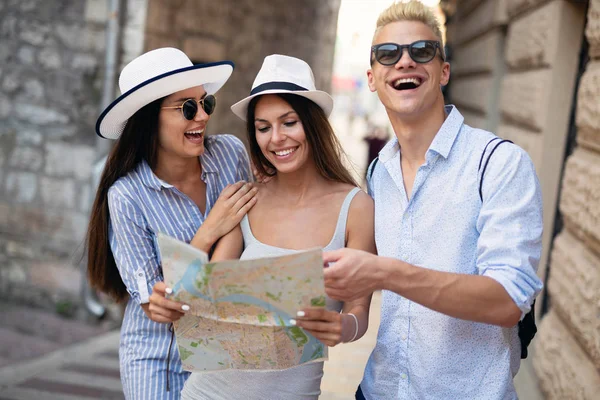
(189,108)
(421,51)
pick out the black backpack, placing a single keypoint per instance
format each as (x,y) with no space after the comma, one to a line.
(527,327)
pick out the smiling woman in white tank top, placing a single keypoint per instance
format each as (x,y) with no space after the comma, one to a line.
(310,201)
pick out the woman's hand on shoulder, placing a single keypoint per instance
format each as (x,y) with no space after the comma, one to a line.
(231,206)
(160,309)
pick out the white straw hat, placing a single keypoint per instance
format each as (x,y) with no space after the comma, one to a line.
(155,74)
(284,74)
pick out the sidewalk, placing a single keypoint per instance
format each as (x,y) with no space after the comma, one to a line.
(88,370)
(28,333)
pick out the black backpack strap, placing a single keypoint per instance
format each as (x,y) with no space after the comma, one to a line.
(527,328)
(484,150)
(487,161)
(371,168)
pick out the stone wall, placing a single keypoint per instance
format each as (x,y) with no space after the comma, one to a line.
(538,69)
(51,55)
(245,31)
(568,352)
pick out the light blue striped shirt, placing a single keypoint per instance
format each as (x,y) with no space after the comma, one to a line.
(423,354)
(141,205)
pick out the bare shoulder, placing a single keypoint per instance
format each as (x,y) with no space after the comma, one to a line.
(263,188)
(361,214)
(360,229)
(361,203)
(339,188)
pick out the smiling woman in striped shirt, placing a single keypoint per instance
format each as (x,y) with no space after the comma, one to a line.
(163,175)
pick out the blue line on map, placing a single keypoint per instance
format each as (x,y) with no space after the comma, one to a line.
(308,348)
(187,281)
(244,298)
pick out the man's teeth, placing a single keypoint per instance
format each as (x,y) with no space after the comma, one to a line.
(285,152)
(415,81)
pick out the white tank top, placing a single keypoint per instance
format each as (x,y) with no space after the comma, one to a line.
(297,383)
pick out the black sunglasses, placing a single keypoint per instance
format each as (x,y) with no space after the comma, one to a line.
(421,51)
(189,108)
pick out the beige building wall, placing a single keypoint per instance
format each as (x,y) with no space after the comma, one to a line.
(567,359)
(477,38)
(537,63)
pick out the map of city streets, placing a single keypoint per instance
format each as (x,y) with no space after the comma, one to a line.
(240,310)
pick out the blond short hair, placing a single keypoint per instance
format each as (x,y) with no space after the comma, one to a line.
(411,11)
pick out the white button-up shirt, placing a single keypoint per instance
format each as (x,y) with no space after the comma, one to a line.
(421,353)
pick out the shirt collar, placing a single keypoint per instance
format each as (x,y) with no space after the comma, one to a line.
(389,150)
(444,139)
(442,142)
(150,179)
(208,159)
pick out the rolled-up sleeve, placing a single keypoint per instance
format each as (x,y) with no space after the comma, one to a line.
(510,225)
(133,246)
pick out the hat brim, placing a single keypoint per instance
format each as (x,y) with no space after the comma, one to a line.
(322,99)
(212,76)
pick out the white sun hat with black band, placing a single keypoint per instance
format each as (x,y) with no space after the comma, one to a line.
(155,74)
(284,74)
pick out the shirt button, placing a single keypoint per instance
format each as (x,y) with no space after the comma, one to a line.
(140,274)
(403,375)
(404,337)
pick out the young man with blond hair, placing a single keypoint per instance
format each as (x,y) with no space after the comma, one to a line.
(458,254)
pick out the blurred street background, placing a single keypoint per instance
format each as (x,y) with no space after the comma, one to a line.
(528,70)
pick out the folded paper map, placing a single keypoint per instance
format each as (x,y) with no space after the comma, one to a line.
(240,311)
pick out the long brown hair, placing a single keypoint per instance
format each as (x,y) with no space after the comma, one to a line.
(138,142)
(324,145)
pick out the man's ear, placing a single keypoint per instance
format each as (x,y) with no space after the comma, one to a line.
(371,80)
(445,74)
